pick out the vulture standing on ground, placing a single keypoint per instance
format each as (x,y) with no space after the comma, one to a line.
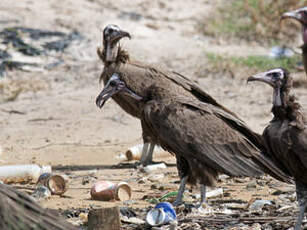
(138,76)
(301,16)
(285,138)
(205,139)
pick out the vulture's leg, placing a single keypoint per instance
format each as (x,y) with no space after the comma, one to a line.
(144,153)
(147,153)
(183,182)
(300,218)
(301,193)
(202,195)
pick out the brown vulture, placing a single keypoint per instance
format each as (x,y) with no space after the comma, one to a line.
(205,139)
(301,16)
(285,138)
(138,76)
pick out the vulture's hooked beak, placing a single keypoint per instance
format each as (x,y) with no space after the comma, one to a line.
(261,77)
(119,35)
(114,86)
(293,14)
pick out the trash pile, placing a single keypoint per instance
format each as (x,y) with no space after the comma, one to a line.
(31,49)
(222,210)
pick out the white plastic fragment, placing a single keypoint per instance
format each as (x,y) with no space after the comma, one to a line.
(214,193)
(156,177)
(151,168)
(22,173)
(258,205)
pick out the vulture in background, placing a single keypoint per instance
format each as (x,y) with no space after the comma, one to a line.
(139,76)
(285,138)
(301,16)
(205,139)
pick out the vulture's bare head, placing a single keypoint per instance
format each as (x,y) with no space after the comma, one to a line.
(277,78)
(301,16)
(112,34)
(114,86)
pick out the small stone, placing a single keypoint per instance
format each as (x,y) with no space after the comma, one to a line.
(251,185)
(259,204)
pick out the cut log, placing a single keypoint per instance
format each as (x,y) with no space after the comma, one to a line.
(104,219)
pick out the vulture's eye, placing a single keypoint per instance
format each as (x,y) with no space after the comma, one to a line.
(110,30)
(275,75)
(112,83)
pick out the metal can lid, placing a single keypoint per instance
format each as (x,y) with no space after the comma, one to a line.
(57,184)
(155,217)
(123,191)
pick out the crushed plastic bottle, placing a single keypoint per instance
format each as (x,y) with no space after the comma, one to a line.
(22,173)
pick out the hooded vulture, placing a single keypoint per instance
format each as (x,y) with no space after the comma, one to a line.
(301,16)
(205,139)
(139,76)
(285,138)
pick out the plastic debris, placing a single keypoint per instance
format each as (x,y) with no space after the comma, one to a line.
(163,213)
(41,192)
(151,168)
(280,52)
(22,173)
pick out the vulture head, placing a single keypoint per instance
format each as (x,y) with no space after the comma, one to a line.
(114,86)
(111,36)
(301,16)
(279,79)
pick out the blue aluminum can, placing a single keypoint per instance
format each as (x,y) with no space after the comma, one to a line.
(162,213)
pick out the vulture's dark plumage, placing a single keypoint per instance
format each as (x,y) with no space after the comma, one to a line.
(285,138)
(301,16)
(205,139)
(139,76)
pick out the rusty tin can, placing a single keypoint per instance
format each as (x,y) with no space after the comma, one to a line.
(57,184)
(107,190)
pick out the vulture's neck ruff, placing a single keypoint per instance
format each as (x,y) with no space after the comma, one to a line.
(285,105)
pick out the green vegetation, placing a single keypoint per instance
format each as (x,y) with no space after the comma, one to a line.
(252,20)
(252,62)
(256,62)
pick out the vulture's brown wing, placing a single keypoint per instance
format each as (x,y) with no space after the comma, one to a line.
(146,75)
(196,130)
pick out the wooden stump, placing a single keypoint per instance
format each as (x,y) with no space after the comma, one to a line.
(19,211)
(104,219)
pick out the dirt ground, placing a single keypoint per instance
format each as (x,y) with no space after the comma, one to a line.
(58,122)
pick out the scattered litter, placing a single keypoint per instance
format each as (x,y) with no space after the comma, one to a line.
(257,205)
(132,220)
(150,168)
(135,152)
(156,177)
(251,185)
(163,213)
(280,52)
(41,192)
(107,190)
(22,43)
(57,184)
(214,193)
(22,173)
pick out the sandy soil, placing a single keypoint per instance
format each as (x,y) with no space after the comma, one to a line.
(61,124)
